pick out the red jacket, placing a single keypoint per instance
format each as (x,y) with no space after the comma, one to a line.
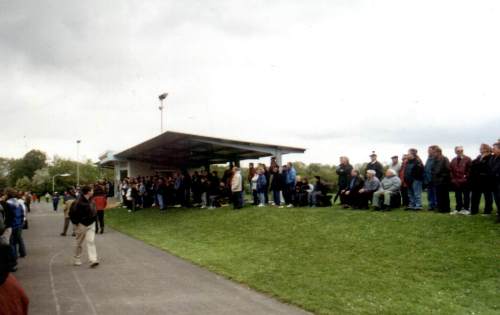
(100,202)
(13,299)
(460,171)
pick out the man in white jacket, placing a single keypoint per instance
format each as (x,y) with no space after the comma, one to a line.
(237,188)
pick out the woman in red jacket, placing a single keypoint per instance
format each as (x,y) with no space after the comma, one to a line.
(100,201)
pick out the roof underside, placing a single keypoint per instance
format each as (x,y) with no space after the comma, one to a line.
(185,150)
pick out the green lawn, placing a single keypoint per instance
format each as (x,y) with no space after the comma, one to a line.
(333,261)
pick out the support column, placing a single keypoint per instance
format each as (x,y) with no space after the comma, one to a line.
(277,155)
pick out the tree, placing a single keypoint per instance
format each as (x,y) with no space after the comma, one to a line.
(41,181)
(27,166)
(23,184)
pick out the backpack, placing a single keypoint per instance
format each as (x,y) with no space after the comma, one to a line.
(73,213)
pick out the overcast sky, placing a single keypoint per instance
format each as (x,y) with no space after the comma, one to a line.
(336,77)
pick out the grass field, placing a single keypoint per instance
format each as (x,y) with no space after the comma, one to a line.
(334,261)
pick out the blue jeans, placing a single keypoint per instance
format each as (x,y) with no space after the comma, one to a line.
(161,203)
(432,196)
(16,240)
(262,198)
(276,197)
(415,195)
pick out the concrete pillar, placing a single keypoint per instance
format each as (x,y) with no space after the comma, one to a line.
(277,155)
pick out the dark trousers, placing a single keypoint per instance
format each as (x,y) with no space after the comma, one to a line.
(476,199)
(100,221)
(462,198)
(288,193)
(443,198)
(255,197)
(405,199)
(496,195)
(237,199)
(361,200)
(266,195)
(16,241)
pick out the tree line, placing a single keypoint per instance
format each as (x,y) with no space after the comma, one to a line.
(34,172)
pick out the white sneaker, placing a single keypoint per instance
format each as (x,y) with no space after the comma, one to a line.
(211,208)
(289,206)
(129,210)
(465,212)
(271,203)
(261,205)
(454,212)
(281,207)
(203,207)
(77,263)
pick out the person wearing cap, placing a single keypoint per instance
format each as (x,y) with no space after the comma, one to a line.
(395,165)
(376,166)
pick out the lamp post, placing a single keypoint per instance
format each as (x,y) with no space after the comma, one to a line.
(162,97)
(78,162)
(54,180)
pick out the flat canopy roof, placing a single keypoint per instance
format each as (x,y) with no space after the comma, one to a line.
(186,150)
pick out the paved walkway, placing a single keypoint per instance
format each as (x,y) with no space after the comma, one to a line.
(133,278)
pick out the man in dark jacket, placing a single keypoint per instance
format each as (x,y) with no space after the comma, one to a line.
(413,177)
(441,179)
(431,189)
(376,166)
(494,165)
(350,194)
(343,170)
(460,168)
(83,214)
(480,181)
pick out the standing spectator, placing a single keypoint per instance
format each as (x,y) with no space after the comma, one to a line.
(55,200)
(395,165)
(494,164)
(405,200)
(70,198)
(83,215)
(237,188)
(27,200)
(480,181)
(413,177)
(460,168)
(350,194)
(389,187)
(431,189)
(251,173)
(276,185)
(161,191)
(261,186)
(17,213)
(375,165)
(441,179)
(253,185)
(100,201)
(291,175)
(343,171)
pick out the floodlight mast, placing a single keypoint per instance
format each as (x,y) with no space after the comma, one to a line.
(161,98)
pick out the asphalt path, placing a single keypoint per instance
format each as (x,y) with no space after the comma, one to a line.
(132,278)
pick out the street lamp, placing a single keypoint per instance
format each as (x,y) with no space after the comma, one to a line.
(162,97)
(54,180)
(78,162)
